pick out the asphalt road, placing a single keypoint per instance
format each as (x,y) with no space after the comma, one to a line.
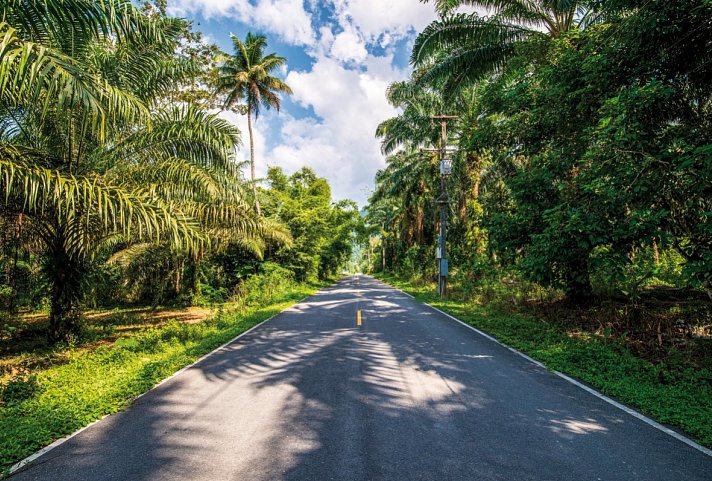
(410,395)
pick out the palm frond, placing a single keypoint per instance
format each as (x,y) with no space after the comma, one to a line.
(38,191)
(31,74)
(182,132)
(462,31)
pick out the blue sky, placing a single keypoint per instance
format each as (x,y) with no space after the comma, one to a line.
(342,56)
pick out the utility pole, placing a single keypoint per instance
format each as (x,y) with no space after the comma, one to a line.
(443,201)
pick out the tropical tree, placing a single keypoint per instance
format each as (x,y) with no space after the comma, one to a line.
(598,153)
(459,49)
(54,109)
(412,174)
(413,179)
(89,159)
(322,230)
(246,80)
(414,127)
(188,160)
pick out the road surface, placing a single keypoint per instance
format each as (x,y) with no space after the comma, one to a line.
(410,395)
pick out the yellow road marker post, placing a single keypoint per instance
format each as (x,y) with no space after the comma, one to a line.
(359,323)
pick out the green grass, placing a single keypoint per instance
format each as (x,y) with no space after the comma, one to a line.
(671,392)
(56,401)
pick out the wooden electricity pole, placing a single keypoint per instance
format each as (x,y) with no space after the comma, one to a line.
(443,201)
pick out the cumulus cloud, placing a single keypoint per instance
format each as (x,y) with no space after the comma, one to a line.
(349,47)
(288,19)
(381,20)
(351,43)
(260,132)
(340,144)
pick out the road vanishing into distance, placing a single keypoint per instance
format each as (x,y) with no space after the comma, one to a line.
(409,395)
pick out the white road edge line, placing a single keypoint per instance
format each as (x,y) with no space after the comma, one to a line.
(586,388)
(60,441)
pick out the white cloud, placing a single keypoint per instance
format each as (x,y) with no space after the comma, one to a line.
(260,132)
(286,18)
(385,18)
(348,46)
(345,86)
(340,145)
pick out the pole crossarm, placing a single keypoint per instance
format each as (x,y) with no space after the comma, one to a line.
(442,199)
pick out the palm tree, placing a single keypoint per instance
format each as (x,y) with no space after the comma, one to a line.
(410,174)
(89,159)
(414,127)
(460,49)
(245,77)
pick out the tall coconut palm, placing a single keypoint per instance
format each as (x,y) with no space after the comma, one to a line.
(246,77)
(459,49)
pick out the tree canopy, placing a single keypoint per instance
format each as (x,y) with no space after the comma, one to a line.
(584,139)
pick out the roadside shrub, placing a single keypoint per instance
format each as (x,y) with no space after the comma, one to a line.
(418,261)
(268,285)
(614,275)
(210,296)
(19,388)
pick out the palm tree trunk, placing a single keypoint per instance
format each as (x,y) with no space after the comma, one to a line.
(65,274)
(252,159)
(656,252)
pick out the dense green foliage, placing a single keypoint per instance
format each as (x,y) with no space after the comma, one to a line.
(118,184)
(322,231)
(583,154)
(461,48)
(602,157)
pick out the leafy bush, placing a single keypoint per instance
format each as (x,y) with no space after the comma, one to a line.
(418,261)
(265,287)
(613,274)
(19,388)
(210,295)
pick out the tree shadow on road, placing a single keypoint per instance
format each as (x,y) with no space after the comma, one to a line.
(410,395)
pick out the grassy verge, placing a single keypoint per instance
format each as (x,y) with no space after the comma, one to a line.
(27,349)
(57,400)
(671,392)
